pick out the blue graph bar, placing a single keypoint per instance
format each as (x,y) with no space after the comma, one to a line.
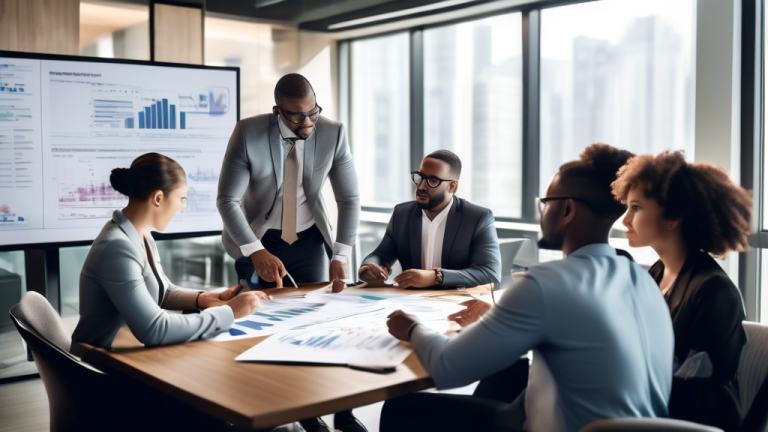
(147,118)
(254,325)
(165,113)
(183,121)
(154,116)
(173,116)
(159,106)
(141,120)
(129,123)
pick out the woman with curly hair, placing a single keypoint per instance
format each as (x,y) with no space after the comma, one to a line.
(689,212)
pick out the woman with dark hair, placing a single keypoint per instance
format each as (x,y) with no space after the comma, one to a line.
(689,212)
(122,281)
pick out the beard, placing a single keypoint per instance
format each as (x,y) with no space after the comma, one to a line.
(434,201)
(548,244)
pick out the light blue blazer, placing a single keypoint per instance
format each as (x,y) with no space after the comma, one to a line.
(118,286)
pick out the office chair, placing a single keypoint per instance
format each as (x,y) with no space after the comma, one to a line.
(646,425)
(84,398)
(753,378)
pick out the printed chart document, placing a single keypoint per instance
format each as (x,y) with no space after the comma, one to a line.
(278,315)
(361,347)
(341,329)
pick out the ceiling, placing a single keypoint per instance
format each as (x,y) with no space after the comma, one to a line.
(315,15)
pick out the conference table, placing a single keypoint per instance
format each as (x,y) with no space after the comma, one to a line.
(205,375)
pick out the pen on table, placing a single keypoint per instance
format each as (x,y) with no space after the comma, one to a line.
(369,368)
(290,278)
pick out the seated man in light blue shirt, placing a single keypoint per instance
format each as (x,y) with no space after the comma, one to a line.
(597,323)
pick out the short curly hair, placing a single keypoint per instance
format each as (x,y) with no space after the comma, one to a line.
(715,213)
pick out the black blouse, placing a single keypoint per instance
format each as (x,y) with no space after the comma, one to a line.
(707,311)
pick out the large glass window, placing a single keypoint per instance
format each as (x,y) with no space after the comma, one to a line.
(380,118)
(618,72)
(13,285)
(473,103)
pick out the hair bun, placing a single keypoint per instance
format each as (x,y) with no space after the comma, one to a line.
(121,180)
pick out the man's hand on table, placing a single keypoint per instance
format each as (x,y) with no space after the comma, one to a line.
(338,272)
(372,273)
(268,267)
(475,309)
(399,324)
(415,278)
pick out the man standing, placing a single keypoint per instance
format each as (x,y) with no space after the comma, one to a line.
(438,239)
(269,197)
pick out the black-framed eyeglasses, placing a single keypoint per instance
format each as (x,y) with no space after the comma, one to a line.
(417,177)
(298,118)
(543,201)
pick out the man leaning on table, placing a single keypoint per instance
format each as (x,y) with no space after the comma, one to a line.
(269,198)
(270,201)
(439,239)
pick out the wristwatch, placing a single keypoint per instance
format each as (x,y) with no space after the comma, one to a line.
(438,276)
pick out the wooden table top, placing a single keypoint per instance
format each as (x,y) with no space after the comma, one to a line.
(205,375)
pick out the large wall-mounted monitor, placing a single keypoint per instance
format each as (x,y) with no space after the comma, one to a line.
(66,122)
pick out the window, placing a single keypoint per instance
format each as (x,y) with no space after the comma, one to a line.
(13,285)
(380,118)
(627,81)
(473,105)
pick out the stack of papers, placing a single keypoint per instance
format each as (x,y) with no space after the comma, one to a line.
(339,329)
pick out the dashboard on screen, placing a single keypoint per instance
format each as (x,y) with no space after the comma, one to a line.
(65,124)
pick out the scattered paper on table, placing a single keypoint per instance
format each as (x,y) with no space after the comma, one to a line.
(365,347)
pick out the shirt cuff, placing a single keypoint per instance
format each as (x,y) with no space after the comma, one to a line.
(248,249)
(341,252)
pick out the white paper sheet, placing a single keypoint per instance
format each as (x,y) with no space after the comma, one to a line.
(357,339)
(356,347)
(280,315)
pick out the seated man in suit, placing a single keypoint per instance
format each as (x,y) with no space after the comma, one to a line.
(439,239)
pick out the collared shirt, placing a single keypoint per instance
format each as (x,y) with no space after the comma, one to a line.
(304,218)
(601,334)
(432,235)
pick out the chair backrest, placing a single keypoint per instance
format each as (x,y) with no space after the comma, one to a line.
(84,398)
(35,311)
(753,376)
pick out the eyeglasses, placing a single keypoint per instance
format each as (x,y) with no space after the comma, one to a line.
(298,118)
(417,177)
(542,202)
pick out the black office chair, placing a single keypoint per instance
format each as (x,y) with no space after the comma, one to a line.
(753,378)
(84,398)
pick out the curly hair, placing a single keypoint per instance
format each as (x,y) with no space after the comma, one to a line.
(597,167)
(715,213)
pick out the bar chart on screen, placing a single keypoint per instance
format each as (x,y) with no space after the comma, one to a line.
(114,116)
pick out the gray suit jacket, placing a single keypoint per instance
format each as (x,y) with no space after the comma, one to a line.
(470,255)
(252,173)
(118,286)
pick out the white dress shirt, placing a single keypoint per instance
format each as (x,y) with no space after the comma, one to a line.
(432,235)
(304,218)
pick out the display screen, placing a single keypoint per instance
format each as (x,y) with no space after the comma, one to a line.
(65,124)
